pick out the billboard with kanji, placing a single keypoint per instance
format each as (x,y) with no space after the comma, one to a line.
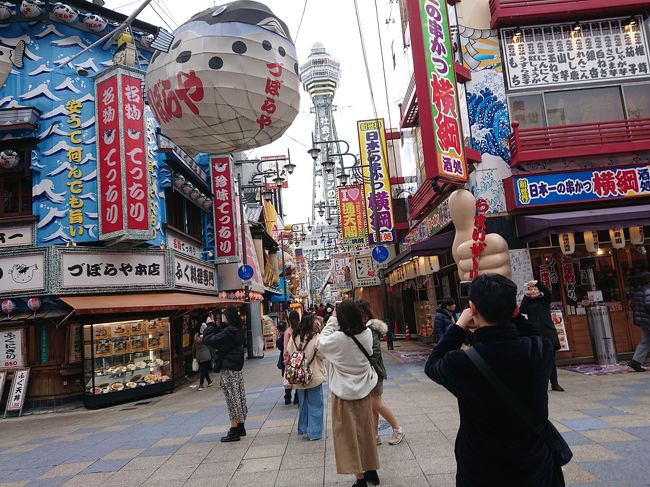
(353,216)
(578,187)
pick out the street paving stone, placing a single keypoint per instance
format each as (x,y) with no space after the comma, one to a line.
(173,440)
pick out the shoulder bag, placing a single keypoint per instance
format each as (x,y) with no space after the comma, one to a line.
(543,429)
(364,351)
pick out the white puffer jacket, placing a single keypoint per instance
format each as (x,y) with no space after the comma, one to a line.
(350,375)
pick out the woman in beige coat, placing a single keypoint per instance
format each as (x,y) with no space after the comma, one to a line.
(304,338)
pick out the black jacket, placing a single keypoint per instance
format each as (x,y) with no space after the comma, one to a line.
(493,446)
(640,304)
(441,323)
(539,314)
(229,342)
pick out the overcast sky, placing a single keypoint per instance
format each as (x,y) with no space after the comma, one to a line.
(332,22)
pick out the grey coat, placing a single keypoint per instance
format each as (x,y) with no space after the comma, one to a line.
(200,351)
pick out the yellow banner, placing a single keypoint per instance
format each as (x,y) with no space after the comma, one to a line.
(374,160)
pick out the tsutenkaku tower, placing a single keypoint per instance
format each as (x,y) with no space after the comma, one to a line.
(320,77)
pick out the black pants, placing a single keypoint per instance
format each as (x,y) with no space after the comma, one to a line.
(553,371)
(204,372)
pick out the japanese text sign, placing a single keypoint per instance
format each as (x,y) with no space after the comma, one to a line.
(18,391)
(75,178)
(11,348)
(478,235)
(580,186)
(435,221)
(194,275)
(123,179)
(437,92)
(112,269)
(364,272)
(224,210)
(560,54)
(374,158)
(341,272)
(16,235)
(353,217)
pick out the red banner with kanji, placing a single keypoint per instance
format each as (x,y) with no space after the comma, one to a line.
(224,210)
(353,216)
(124,210)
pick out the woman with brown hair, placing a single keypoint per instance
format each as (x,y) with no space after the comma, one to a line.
(347,344)
(304,338)
(379,329)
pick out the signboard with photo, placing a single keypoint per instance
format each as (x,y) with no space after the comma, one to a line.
(563,54)
(558,321)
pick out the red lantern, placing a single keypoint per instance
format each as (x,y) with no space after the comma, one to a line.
(34,304)
(8,306)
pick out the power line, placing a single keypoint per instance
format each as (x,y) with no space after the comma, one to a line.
(383,68)
(167,12)
(127,4)
(365,58)
(304,9)
(161,17)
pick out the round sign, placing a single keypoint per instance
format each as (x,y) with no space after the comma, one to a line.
(380,253)
(585,302)
(245,272)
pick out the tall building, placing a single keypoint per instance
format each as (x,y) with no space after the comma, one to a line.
(320,77)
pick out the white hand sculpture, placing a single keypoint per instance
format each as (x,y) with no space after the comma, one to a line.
(495,256)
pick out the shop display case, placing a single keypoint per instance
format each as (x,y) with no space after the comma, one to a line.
(125,361)
(425,311)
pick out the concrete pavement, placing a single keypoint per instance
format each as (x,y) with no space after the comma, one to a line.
(174,440)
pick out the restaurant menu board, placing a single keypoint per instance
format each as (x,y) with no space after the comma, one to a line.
(11,348)
(563,54)
(18,391)
(558,321)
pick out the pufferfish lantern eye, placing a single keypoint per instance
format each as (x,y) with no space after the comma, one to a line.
(272,24)
(219,10)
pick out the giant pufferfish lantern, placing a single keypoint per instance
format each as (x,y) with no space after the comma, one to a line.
(229,82)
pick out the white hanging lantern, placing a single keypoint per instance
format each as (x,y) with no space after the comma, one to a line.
(434,264)
(422,266)
(636,235)
(229,81)
(567,243)
(617,236)
(591,241)
(412,270)
(9,159)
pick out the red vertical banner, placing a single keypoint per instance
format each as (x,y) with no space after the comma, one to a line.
(123,183)
(135,164)
(224,210)
(111,217)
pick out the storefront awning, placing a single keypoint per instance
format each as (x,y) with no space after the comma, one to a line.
(534,227)
(436,245)
(133,303)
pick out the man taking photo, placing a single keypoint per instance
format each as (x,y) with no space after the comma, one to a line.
(495,446)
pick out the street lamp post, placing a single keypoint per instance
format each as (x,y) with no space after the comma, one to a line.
(314,153)
(289,168)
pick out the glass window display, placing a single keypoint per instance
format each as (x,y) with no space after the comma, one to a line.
(126,360)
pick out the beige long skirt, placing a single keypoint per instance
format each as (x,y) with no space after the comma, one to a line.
(355,447)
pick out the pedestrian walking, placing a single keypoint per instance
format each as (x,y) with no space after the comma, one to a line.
(201,353)
(279,343)
(320,311)
(379,408)
(304,339)
(294,321)
(230,350)
(444,317)
(346,343)
(640,304)
(537,306)
(496,442)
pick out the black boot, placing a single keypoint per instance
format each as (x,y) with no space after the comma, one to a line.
(371,477)
(295,398)
(241,431)
(287,397)
(232,435)
(360,483)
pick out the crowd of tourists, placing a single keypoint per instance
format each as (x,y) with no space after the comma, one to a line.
(496,357)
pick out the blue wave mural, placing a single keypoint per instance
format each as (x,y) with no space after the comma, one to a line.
(488,116)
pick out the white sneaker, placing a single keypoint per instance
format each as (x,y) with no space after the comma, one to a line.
(397,437)
(379,442)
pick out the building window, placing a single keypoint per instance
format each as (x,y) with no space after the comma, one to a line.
(16,189)
(528,110)
(183,216)
(583,106)
(637,100)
